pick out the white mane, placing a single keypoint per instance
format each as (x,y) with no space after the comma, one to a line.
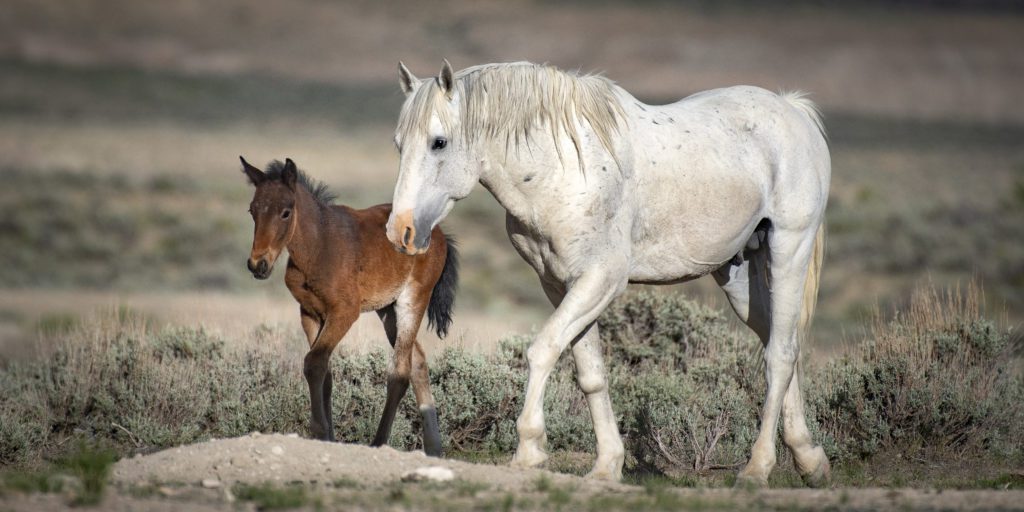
(508,101)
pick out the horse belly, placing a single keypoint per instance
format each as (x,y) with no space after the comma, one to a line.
(691,225)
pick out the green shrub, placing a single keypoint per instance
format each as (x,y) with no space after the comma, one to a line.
(938,376)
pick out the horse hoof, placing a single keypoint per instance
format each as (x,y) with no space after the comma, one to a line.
(603,474)
(750,482)
(608,469)
(528,458)
(822,474)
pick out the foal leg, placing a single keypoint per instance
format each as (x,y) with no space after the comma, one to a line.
(311,326)
(316,369)
(587,297)
(425,401)
(410,307)
(593,381)
(397,384)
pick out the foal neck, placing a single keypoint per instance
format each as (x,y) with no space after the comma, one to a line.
(310,216)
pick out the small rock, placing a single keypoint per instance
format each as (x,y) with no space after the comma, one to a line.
(277,450)
(292,435)
(211,483)
(429,474)
(255,434)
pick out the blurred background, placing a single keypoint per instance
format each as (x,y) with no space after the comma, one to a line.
(121,123)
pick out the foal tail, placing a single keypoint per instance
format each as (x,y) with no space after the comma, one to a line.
(810,299)
(439,311)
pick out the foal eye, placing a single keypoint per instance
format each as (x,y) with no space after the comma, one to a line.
(439,143)
(285,214)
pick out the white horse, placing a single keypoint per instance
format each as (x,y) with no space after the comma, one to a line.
(602,190)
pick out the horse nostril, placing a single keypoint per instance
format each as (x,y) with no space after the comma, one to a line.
(407,237)
(262,267)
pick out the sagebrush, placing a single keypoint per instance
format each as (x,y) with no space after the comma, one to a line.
(686,387)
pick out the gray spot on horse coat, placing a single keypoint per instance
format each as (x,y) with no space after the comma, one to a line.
(528,178)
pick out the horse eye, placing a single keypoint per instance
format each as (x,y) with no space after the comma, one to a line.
(439,143)
(285,214)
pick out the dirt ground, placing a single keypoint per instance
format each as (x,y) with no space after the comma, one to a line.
(205,476)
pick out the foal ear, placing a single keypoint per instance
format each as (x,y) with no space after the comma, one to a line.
(406,79)
(446,79)
(289,175)
(255,175)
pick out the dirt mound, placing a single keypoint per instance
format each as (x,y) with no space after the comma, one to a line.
(359,477)
(285,459)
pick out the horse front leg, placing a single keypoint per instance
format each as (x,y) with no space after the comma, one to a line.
(316,369)
(586,298)
(593,381)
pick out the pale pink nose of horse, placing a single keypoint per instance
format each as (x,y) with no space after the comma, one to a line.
(403,234)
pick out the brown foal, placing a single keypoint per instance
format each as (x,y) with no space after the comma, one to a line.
(340,263)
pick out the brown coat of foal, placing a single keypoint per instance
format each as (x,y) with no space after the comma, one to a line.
(340,263)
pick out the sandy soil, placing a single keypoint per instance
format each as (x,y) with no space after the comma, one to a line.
(201,476)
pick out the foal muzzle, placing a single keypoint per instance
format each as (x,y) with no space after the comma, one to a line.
(260,269)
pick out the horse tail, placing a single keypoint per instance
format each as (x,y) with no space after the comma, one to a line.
(439,311)
(810,299)
(798,99)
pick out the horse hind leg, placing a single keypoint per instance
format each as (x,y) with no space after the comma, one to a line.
(746,284)
(425,401)
(398,378)
(409,364)
(810,459)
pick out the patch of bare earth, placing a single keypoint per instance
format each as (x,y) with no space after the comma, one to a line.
(354,475)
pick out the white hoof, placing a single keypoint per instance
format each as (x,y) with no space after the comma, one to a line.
(609,470)
(821,474)
(528,458)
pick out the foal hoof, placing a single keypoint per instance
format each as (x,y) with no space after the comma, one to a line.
(821,475)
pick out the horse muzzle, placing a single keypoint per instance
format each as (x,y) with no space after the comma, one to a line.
(406,235)
(260,268)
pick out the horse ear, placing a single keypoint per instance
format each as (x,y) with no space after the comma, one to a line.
(289,175)
(255,175)
(446,79)
(406,79)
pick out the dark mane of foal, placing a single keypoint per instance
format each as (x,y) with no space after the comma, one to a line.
(317,188)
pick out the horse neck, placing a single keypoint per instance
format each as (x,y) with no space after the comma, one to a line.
(526,180)
(306,241)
